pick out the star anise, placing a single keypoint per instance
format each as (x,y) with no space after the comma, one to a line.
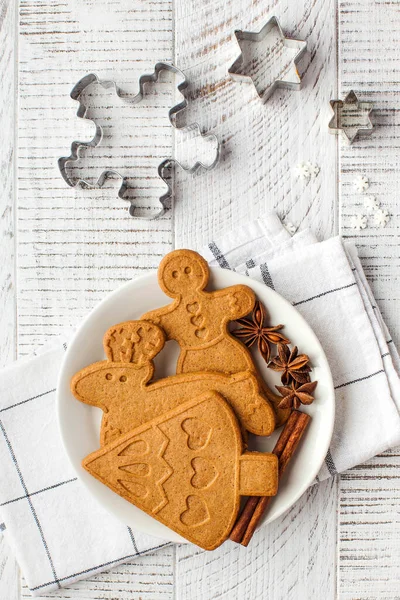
(294,396)
(294,366)
(252,329)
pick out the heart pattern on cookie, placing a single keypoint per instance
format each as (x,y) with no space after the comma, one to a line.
(197,321)
(204,473)
(193,307)
(198,432)
(201,333)
(196,513)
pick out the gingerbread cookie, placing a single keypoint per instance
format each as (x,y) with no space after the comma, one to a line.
(121,386)
(186,468)
(198,320)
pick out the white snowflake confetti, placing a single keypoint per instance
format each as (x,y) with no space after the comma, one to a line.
(358,222)
(290,227)
(302,170)
(361,183)
(313,169)
(371,203)
(307,169)
(381,218)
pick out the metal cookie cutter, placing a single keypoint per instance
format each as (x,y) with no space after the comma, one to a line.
(276,63)
(193,131)
(351,118)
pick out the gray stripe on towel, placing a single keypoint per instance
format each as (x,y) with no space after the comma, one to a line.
(266,276)
(219,257)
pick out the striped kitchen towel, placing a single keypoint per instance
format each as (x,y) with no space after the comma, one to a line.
(58,531)
(60,534)
(327,285)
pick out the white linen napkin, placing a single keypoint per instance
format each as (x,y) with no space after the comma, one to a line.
(327,285)
(61,534)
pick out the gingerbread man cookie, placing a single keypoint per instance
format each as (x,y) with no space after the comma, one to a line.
(121,386)
(198,320)
(187,469)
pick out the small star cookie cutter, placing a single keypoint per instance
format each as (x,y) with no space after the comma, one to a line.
(280,53)
(192,130)
(351,118)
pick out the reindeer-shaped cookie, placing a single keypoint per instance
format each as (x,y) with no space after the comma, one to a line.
(121,386)
(198,320)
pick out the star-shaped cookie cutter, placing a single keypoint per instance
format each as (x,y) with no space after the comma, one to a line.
(193,130)
(275,43)
(351,118)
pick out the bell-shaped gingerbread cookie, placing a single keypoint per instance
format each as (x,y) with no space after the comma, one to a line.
(186,468)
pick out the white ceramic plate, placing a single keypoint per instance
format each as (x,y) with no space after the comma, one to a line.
(80,423)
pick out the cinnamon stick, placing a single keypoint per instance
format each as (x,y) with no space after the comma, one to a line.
(290,448)
(241,524)
(293,441)
(255,506)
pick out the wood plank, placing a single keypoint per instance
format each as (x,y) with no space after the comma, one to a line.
(262,144)
(369,35)
(288,559)
(295,557)
(9,573)
(369,50)
(147,578)
(7,192)
(75,245)
(369,527)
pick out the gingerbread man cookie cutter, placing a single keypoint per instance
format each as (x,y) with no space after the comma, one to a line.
(192,130)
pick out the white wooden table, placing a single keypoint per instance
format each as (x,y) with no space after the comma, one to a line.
(62,249)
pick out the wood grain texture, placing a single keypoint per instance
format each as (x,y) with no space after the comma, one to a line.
(7,169)
(369,530)
(369,55)
(76,245)
(295,556)
(261,143)
(147,578)
(369,50)
(288,559)
(9,573)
